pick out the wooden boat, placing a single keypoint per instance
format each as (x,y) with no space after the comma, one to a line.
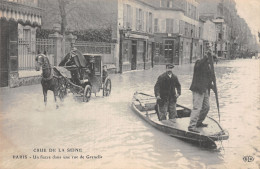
(144,105)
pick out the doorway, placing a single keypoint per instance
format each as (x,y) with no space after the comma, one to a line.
(134,53)
(4,39)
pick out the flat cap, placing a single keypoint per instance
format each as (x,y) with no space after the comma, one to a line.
(169,66)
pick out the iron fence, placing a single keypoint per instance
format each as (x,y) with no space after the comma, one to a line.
(27,51)
(92,47)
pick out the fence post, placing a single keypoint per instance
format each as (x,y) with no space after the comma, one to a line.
(58,53)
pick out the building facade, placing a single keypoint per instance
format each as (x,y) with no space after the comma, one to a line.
(223,38)
(177,32)
(209,34)
(136,39)
(233,33)
(145,32)
(170,32)
(18,19)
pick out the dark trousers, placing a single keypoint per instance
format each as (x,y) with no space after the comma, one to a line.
(167,106)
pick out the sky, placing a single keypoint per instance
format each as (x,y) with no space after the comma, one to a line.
(250,11)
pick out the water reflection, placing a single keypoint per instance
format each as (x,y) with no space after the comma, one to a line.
(108,126)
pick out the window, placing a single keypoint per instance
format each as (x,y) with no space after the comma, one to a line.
(156,25)
(127,16)
(186,29)
(220,36)
(167,3)
(125,52)
(200,32)
(168,48)
(189,9)
(196,14)
(139,19)
(163,3)
(182,27)
(150,22)
(140,51)
(193,31)
(147,21)
(169,25)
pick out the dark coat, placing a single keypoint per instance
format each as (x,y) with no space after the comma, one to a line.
(202,76)
(165,87)
(77,57)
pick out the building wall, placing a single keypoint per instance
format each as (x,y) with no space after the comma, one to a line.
(12,14)
(186,25)
(134,5)
(209,32)
(163,15)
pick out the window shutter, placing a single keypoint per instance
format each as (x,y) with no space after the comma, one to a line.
(137,20)
(172,21)
(142,21)
(151,23)
(131,17)
(163,26)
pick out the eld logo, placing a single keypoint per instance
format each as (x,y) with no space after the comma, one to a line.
(248,159)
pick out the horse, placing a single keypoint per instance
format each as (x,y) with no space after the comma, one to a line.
(50,79)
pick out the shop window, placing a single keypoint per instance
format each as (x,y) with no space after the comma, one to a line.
(125,51)
(161,48)
(168,49)
(140,51)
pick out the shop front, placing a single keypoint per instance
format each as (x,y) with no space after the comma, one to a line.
(167,49)
(137,52)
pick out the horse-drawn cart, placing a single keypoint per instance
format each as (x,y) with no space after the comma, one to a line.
(85,74)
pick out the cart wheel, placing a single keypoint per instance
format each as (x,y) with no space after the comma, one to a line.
(107,87)
(87,93)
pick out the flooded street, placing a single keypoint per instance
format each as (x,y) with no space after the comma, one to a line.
(109,128)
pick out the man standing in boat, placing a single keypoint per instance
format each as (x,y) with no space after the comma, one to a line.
(165,93)
(201,84)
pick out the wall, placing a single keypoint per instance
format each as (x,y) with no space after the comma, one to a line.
(209,32)
(177,16)
(134,5)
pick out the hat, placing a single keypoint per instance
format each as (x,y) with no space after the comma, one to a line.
(169,66)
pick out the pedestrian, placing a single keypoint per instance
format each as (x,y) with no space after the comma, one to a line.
(215,58)
(166,95)
(200,87)
(105,73)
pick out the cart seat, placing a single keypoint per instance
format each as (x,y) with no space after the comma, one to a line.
(62,71)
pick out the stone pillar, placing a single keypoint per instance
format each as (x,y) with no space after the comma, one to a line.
(58,52)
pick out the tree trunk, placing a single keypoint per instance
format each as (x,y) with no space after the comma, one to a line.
(62,7)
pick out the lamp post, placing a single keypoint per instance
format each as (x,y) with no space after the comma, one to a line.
(121,31)
(191,48)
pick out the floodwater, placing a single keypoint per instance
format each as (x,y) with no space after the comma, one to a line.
(108,128)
